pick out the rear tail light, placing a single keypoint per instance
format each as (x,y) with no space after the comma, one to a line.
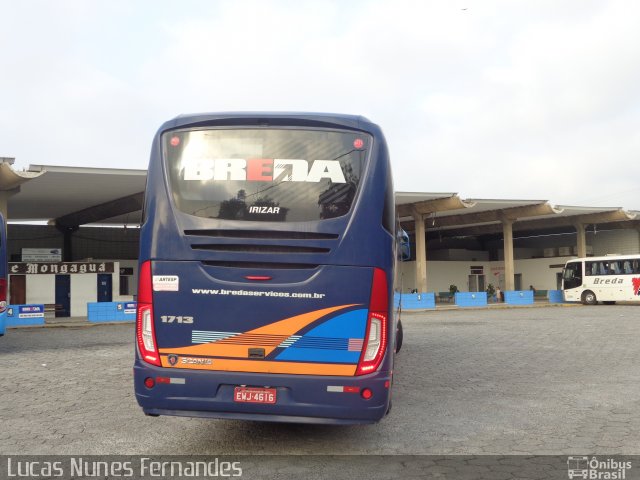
(375,344)
(145,332)
(374,340)
(3,294)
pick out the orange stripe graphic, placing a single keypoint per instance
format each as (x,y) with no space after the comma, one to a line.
(274,334)
(261,366)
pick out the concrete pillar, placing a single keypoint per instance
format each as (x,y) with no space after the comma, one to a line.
(421,252)
(582,239)
(507,232)
(67,250)
(4,209)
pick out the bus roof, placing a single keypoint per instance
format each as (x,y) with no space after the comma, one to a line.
(605,257)
(305,118)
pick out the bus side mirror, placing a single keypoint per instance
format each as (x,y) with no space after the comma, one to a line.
(404,247)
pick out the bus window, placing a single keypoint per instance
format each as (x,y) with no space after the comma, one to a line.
(592,268)
(572,276)
(614,268)
(404,246)
(265,175)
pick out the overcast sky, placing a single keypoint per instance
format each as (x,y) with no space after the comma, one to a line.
(491,99)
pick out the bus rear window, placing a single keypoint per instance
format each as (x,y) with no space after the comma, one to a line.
(284,175)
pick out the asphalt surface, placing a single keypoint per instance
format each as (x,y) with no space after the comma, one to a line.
(514,381)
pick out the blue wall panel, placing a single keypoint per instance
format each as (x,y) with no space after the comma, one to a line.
(555,296)
(416,301)
(18,315)
(518,297)
(111,312)
(471,299)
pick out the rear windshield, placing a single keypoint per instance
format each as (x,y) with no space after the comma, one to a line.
(284,175)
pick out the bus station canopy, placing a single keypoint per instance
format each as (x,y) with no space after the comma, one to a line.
(479,217)
(73,196)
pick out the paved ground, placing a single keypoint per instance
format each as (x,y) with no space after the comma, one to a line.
(543,380)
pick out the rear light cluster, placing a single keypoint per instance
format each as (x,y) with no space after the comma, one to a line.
(365,393)
(150,382)
(375,344)
(145,333)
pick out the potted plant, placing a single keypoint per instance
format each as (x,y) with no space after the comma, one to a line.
(491,291)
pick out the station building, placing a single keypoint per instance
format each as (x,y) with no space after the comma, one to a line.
(73,237)
(511,244)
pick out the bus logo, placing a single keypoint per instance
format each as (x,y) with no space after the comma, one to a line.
(262,170)
(636,285)
(259,209)
(578,467)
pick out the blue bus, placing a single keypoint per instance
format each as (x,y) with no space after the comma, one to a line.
(267,255)
(3,275)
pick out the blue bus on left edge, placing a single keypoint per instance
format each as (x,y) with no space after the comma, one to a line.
(3,275)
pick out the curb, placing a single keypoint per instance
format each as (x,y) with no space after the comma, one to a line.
(72,324)
(490,306)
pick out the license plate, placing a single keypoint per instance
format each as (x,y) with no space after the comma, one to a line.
(254,395)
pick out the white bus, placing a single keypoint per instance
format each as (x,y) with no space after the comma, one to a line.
(610,279)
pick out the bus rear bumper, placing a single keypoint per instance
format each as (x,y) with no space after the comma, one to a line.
(299,398)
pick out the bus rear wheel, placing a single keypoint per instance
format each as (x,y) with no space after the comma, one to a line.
(399,336)
(589,298)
